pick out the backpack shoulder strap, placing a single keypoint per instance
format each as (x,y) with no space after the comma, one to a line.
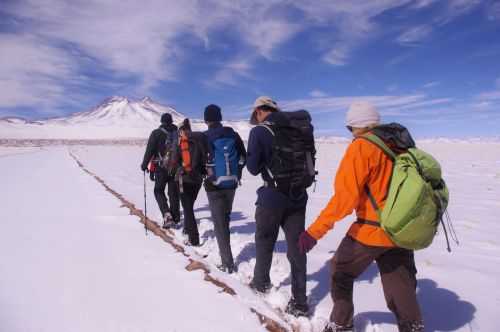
(374,139)
(267,125)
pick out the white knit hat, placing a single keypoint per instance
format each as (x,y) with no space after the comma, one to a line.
(362,114)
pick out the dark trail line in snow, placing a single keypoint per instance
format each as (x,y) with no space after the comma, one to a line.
(194,265)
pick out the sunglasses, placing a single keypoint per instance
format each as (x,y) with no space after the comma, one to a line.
(349,128)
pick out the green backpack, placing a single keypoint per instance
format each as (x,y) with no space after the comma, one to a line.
(416,200)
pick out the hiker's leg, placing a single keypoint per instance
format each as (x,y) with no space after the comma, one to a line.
(349,261)
(398,273)
(173,197)
(161,179)
(293,225)
(218,202)
(187,199)
(267,223)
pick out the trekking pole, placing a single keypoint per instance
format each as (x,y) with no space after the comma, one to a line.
(145,206)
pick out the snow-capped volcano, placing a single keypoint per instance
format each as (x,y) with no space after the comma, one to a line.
(120,111)
(115,118)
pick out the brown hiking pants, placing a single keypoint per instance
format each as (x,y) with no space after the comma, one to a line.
(397,270)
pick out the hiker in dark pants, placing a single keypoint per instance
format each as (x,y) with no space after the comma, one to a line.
(221,192)
(365,170)
(162,176)
(275,209)
(192,152)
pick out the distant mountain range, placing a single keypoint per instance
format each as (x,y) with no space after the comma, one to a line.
(115,118)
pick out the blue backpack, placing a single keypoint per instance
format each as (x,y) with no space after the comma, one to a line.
(225,163)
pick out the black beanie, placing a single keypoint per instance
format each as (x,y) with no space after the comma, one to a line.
(212,113)
(166,118)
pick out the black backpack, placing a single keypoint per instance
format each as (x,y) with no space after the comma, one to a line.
(167,156)
(293,160)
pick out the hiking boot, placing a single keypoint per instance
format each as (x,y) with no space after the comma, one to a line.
(227,269)
(192,243)
(168,221)
(411,326)
(263,289)
(332,327)
(297,310)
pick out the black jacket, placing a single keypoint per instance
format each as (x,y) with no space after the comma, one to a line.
(156,143)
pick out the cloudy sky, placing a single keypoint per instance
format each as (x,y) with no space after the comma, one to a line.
(431,65)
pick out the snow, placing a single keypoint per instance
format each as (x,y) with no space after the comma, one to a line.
(96,270)
(73,260)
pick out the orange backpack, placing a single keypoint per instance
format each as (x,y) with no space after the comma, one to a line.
(185,155)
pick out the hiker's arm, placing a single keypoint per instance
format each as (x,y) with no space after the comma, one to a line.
(255,152)
(350,180)
(149,153)
(241,149)
(207,153)
(242,152)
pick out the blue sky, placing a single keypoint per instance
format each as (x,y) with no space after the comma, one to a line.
(431,65)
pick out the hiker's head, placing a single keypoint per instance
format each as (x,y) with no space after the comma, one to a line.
(212,114)
(361,117)
(262,107)
(166,119)
(185,128)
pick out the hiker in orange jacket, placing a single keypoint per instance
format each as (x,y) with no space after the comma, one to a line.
(365,167)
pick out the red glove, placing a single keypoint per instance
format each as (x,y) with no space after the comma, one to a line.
(306,242)
(152,166)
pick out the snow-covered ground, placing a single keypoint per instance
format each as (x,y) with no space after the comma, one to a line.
(75,261)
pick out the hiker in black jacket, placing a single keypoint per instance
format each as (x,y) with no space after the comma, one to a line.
(156,151)
(221,193)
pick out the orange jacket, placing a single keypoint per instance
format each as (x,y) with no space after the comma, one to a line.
(363,164)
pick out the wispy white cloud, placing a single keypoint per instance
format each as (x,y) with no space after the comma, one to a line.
(493,11)
(419,4)
(232,72)
(388,104)
(30,72)
(489,95)
(456,8)
(338,56)
(353,22)
(318,94)
(414,35)
(392,87)
(431,84)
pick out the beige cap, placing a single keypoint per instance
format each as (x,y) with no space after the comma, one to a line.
(262,101)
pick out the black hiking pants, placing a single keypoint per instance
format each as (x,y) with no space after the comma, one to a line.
(221,205)
(397,271)
(268,222)
(162,179)
(188,197)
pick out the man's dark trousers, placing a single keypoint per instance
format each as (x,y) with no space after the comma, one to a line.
(268,222)
(221,205)
(398,274)
(162,179)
